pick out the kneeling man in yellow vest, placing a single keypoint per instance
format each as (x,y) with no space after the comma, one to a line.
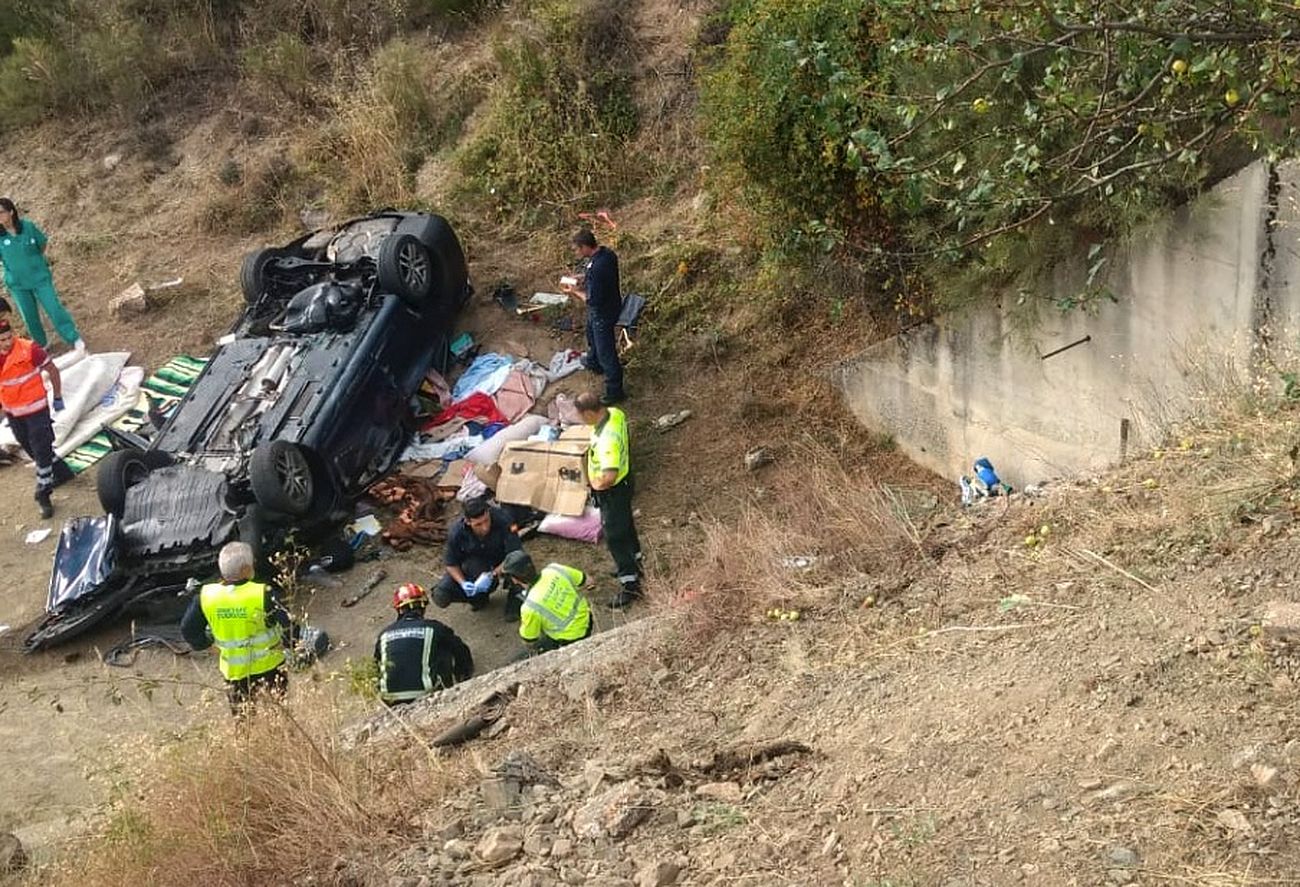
(553,613)
(246,622)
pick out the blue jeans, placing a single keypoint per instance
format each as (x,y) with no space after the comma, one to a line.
(602,354)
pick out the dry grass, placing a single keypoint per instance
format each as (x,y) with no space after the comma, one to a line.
(411,102)
(266,801)
(1239,468)
(801,546)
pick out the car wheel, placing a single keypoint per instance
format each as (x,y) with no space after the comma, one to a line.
(406,269)
(121,470)
(281,478)
(252,274)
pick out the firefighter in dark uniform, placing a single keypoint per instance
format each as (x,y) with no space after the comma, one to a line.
(418,656)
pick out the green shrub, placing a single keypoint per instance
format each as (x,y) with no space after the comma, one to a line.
(34,78)
(284,67)
(384,127)
(777,109)
(561,110)
(263,196)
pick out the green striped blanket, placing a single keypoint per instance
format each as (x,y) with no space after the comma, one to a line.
(166,387)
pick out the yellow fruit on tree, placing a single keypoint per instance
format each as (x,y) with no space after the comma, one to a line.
(1231,98)
(980,106)
(1180,66)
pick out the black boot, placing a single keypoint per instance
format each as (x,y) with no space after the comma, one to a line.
(514,604)
(46,506)
(627,595)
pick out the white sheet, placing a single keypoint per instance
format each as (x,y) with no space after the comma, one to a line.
(97,389)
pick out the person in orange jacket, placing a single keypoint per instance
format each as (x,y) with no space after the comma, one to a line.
(23,368)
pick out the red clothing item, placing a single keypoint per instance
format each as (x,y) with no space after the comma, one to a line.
(478,407)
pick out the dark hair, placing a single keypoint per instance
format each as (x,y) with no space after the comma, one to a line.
(5,307)
(476,507)
(587,402)
(584,238)
(8,205)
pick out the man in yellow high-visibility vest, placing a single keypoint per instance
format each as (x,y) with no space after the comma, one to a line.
(609,473)
(246,622)
(554,613)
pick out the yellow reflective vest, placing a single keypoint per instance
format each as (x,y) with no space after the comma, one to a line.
(609,447)
(554,607)
(237,618)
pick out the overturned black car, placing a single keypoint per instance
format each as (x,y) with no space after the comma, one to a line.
(304,404)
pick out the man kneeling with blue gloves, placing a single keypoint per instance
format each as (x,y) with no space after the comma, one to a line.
(477,544)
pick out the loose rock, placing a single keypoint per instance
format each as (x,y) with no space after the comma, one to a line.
(1123,856)
(757,458)
(499,794)
(131,302)
(726,792)
(613,813)
(500,845)
(1281,620)
(658,874)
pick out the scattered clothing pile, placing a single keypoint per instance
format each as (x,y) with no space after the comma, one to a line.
(459,448)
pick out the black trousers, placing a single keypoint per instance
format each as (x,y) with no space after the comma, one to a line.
(448,590)
(546,644)
(247,691)
(619,528)
(602,354)
(35,434)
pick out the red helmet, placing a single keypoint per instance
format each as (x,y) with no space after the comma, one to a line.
(409,594)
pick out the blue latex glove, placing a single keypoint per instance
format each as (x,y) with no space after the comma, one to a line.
(483,583)
(58,404)
(468,588)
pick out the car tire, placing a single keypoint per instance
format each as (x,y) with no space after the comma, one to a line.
(406,270)
(281,477)
(121,470)
(252,274)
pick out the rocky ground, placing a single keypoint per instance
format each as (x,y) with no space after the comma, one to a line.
(1057,711)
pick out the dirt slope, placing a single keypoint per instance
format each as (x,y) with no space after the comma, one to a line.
(1103,706)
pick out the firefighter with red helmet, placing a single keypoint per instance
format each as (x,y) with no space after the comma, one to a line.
(418,656)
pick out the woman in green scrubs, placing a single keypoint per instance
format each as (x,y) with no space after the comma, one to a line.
(28,278)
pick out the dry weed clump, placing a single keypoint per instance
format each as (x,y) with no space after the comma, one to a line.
(1241,467)
(799,548)
(253,198)
(266,801)
(412,101)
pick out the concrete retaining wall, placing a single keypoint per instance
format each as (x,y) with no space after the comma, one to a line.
(1204,298)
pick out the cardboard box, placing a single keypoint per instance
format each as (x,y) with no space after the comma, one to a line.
(551,477)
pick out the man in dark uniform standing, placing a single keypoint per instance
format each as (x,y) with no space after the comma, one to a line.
(600,289)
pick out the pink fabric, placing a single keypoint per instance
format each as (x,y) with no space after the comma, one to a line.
(581,529)
(563,411)
(477,407)
(515,398)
